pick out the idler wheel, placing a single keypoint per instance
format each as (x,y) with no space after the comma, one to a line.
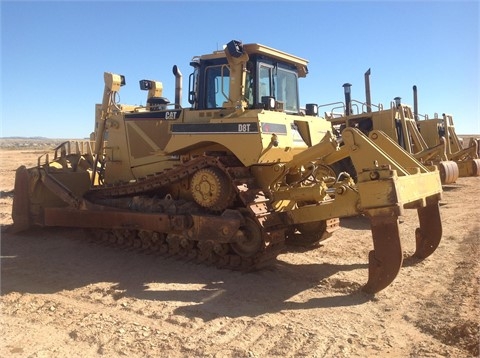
(252,240)
(211,189)
(309,234)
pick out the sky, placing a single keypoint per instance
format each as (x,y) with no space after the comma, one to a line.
(54,54)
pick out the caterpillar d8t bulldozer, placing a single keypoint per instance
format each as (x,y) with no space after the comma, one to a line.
(232,179)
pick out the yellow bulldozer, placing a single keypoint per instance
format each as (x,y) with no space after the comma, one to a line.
(234,178)
(441,131)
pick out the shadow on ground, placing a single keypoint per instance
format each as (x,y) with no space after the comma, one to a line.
(52,260)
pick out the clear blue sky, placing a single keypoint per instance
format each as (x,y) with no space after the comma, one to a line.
(54,53)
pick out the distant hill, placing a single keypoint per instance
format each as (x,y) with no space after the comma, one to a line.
(28,138)
(42,143)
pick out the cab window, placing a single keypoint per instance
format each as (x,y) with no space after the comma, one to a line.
(280,83)
(265,82)
(217,82)
(286,89)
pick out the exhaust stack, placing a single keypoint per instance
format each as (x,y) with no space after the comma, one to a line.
(415,103)
(367,91)
(178,86)
(348,99)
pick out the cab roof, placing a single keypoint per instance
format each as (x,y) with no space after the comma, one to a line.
(259,49)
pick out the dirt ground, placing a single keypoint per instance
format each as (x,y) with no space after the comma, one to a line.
(63,295)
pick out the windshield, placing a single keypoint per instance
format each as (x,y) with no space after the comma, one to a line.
(280,83)
(285,83)
(263,78)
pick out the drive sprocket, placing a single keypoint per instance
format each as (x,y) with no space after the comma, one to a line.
(211,188)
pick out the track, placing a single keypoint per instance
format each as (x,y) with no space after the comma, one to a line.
(251,202)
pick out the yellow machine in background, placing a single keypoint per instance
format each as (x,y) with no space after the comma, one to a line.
(431,141)
(437,131)
(442,130)
(232,179)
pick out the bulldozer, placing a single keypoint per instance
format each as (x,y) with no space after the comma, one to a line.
(232,180)
(433,142)
(437,131)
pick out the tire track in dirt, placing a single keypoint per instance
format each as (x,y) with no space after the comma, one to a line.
(267,344)
(253,332)
(87,322)
(449,323)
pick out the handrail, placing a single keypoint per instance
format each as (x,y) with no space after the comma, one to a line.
(364,106)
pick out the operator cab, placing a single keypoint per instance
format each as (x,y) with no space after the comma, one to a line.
(269,80)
